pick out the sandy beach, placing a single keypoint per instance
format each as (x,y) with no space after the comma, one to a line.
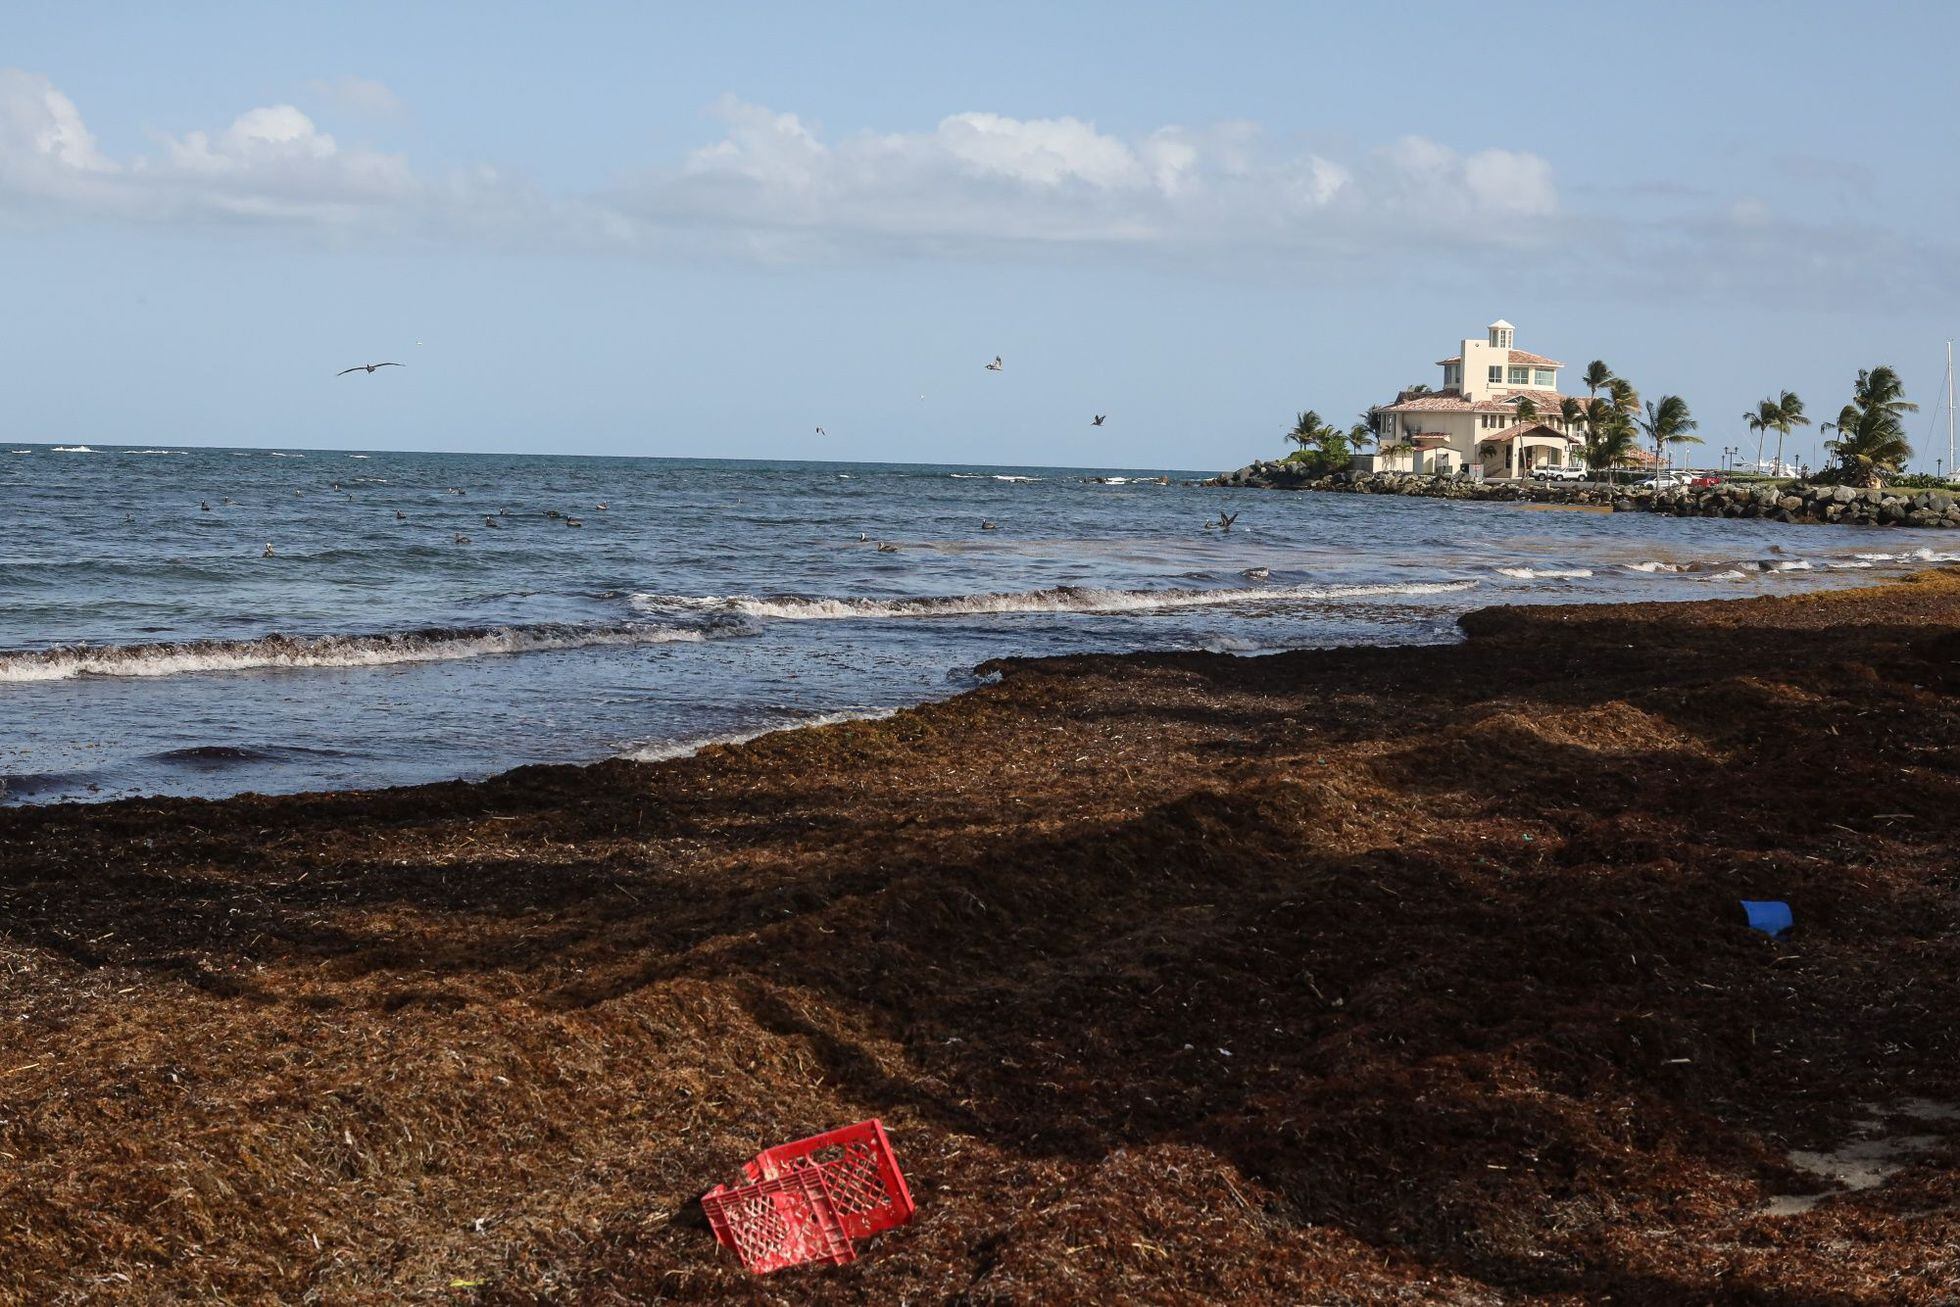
(1366,975)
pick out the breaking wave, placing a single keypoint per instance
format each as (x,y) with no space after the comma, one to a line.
(1534,573)
(688,748)
(73,449)
(1058,599)
(988,476)
(280,651)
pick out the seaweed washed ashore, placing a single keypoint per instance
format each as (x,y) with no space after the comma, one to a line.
(1361,975)
(1791,503)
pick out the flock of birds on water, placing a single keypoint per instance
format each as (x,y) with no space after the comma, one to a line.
(492,522)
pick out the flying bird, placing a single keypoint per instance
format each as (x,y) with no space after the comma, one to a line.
(996,365)
(368,367)
(1097,420)
(1224,522)
(822,432)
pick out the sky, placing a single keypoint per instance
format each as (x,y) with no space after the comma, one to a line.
(630,229)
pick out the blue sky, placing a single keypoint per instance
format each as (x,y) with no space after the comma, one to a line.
(612,229)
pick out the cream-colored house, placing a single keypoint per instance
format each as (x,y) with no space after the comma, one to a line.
(1473,420)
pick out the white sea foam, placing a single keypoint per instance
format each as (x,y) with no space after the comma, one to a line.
(1533,573)
(153,451)
(1850,564)
(276,454)
(1060,599)
(73,449)
(1652,566)
(279,651)
(688,748)
(989,476)
(357,456)
(20,451)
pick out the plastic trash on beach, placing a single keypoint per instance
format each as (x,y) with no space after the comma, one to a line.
(1771,916)
(806,1201)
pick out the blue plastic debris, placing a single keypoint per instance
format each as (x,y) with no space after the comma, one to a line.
(1771,916)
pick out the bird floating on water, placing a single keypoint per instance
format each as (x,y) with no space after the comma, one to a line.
(996,365)
(493,523)
(988,526)
(400,516)
(204,504)
(600,507)
(268,550)
(572,521)
(368,367)
(885,547)
(462,539)
(1097,420)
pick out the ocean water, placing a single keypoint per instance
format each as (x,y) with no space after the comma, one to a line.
(430,616)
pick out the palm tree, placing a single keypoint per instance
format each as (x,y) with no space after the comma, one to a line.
(1871,431)
(1759,422)
(1609,437)
(1527,410)
(1789,413)
(1669,423)
(1308,432)
(1396,450)
(1625,397)
(1597,374)
(1571,412)
(1360,435)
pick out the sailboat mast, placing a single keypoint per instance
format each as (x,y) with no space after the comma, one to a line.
(1950,469)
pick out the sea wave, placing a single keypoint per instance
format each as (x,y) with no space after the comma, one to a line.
(1536,573)
(989,476)
(153,451)
(436,644)
(688,748)
(1057,599)
(73,449)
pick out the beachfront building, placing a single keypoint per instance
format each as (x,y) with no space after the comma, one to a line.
(1472,423)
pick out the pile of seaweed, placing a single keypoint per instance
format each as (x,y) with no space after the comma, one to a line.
(1348,976)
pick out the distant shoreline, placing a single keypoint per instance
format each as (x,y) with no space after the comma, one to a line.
(1816,504)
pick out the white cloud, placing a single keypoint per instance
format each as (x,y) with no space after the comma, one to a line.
(775,186)
(992,179)
(361,95)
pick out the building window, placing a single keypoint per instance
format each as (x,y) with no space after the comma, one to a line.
(1496,374)
(1543,377)
(1520,376)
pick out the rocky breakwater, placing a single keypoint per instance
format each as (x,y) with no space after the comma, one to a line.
(1801,503)
(1782,503)
(1281,475)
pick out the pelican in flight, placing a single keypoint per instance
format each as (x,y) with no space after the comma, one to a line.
(822,432)
(996,365)
(368,367)
(1224,522)
(1097,420)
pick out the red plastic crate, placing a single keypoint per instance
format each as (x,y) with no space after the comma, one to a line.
(807,1200)
(776,1223)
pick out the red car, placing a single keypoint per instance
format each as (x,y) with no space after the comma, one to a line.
(1704,481)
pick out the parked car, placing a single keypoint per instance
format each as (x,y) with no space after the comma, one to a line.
(1558,474)
(1704,481)
(1659,481)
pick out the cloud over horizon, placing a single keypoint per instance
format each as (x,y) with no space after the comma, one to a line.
(975,184)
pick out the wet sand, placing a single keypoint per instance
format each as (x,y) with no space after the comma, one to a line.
(1410,975)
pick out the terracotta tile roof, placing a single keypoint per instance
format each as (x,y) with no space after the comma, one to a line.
(1522,429)
(1441,401)
(1522,357)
